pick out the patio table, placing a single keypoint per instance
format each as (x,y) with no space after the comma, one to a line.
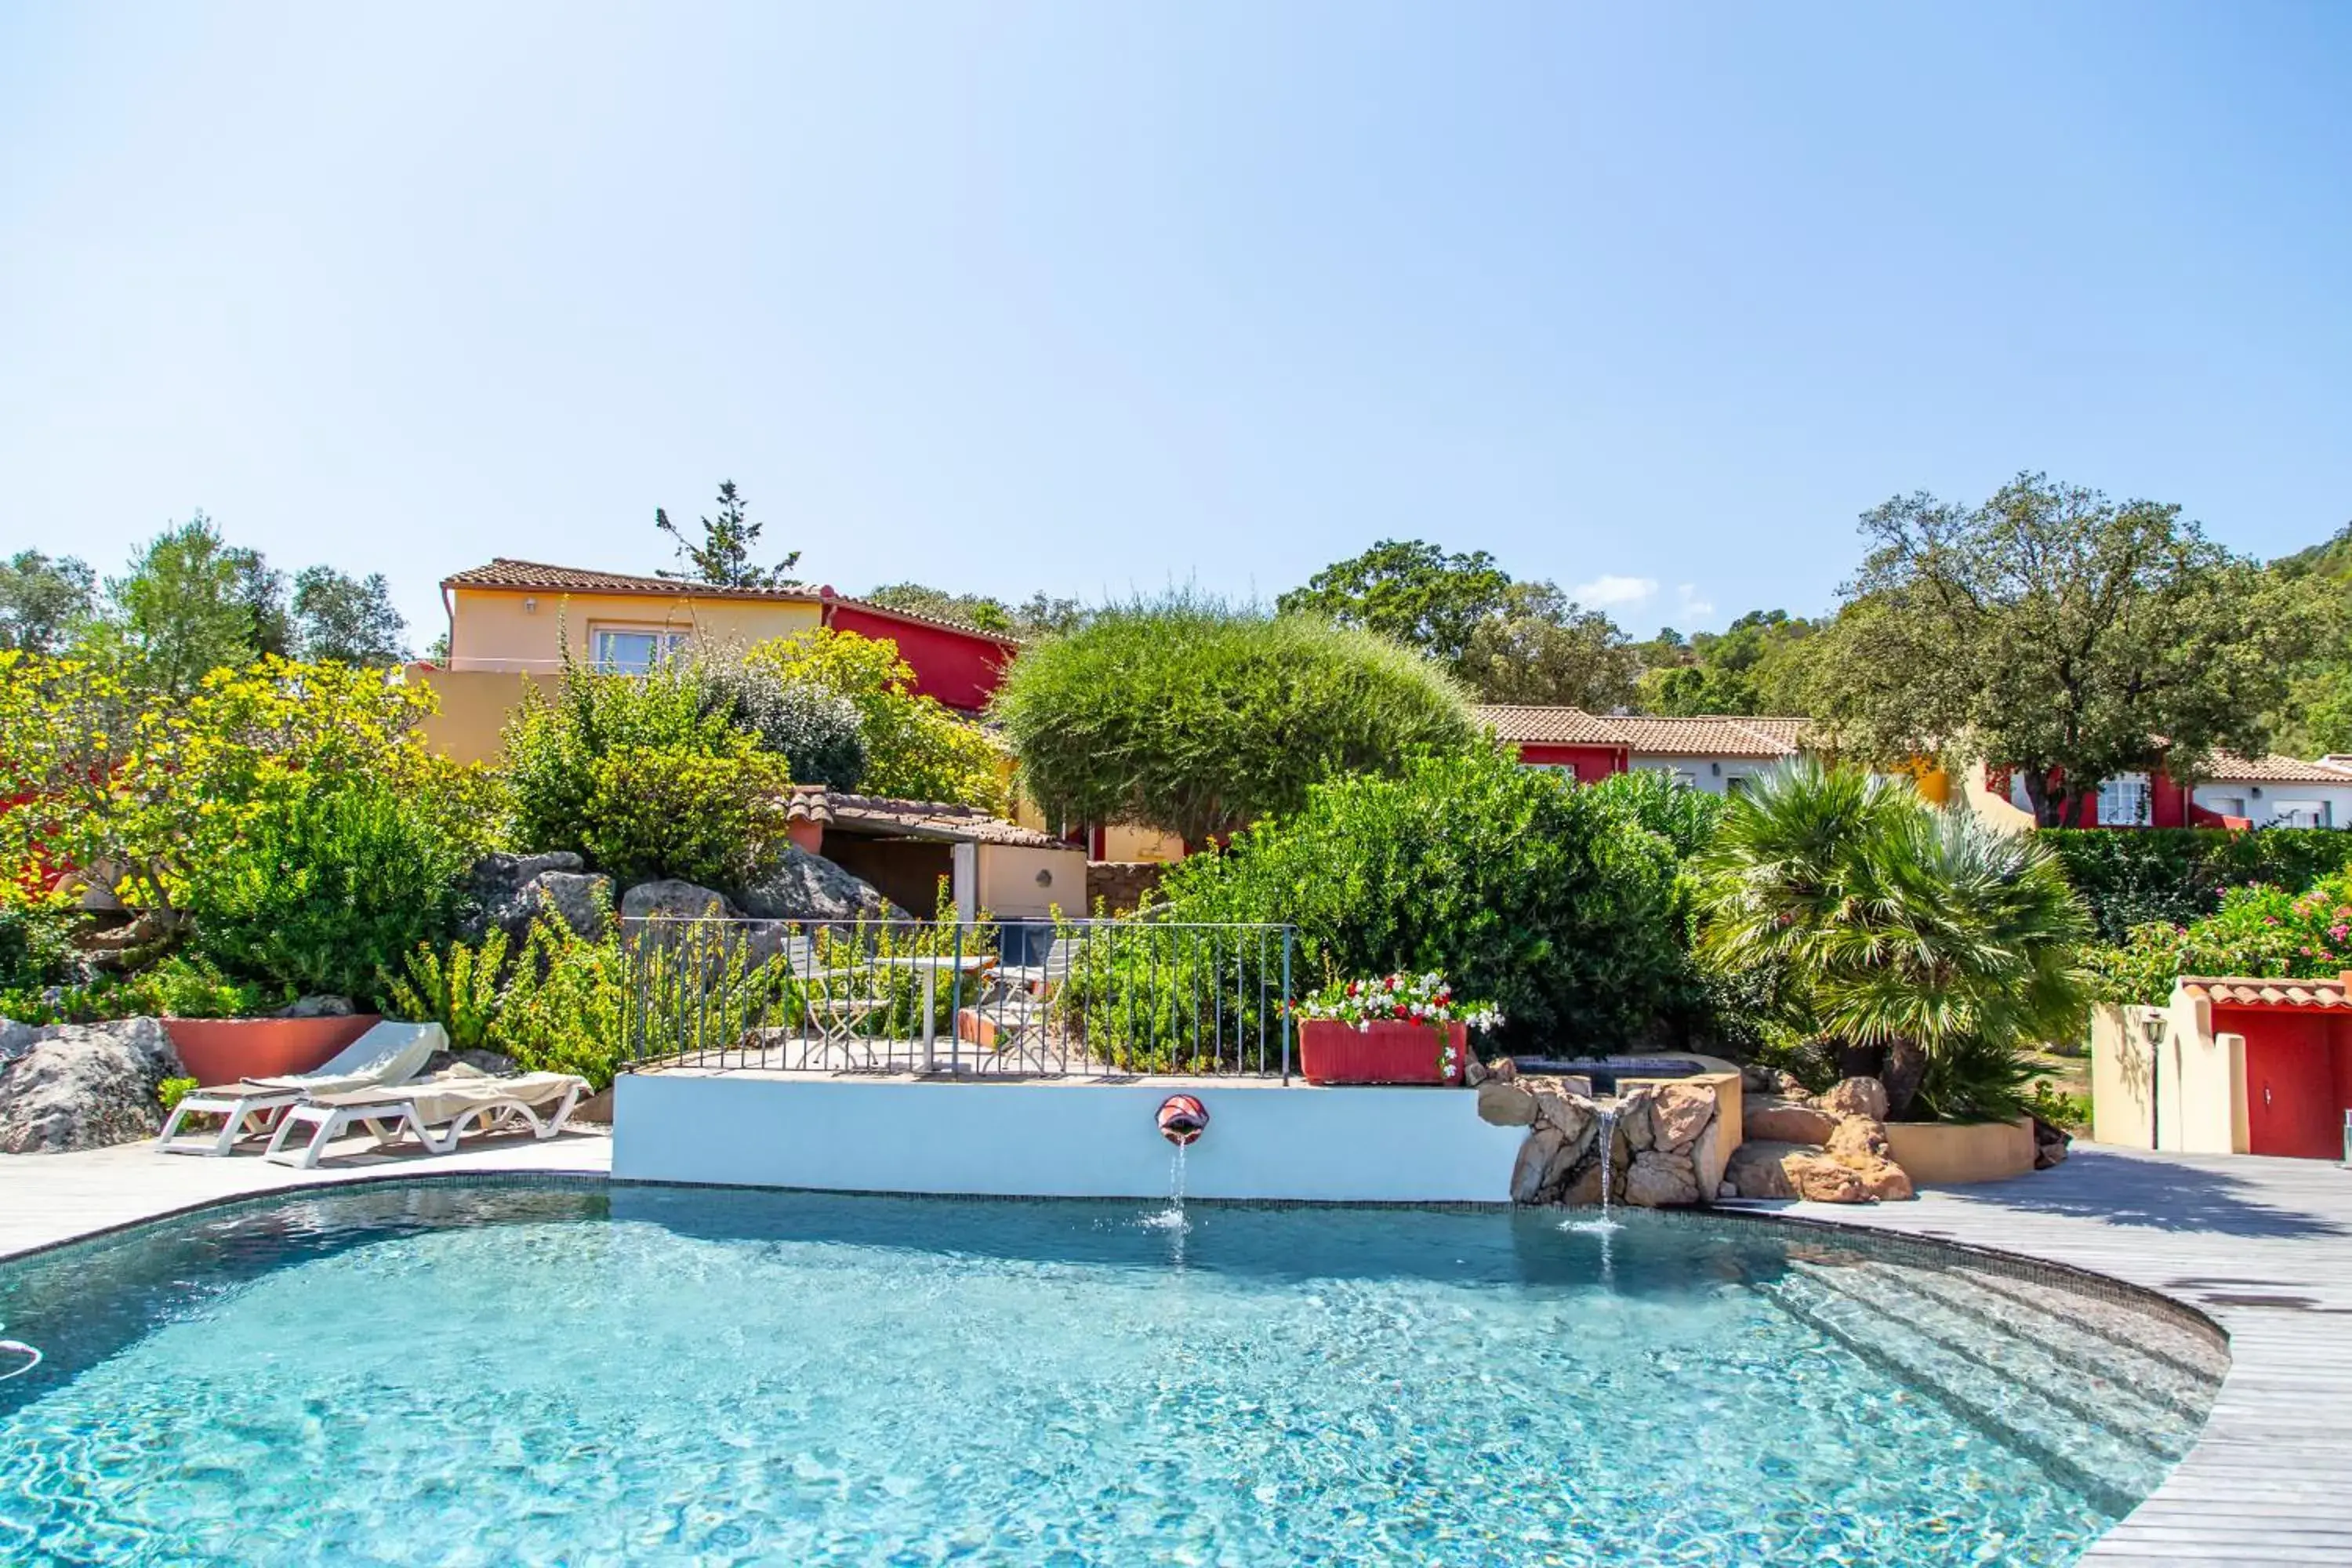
(931,969)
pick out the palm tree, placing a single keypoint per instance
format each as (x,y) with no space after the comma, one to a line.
(1924,946)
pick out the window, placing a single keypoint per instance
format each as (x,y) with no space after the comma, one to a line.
(2123,801)
(1684,778)
(2229,805)
(2300,813)
(1735,785)
(635,650)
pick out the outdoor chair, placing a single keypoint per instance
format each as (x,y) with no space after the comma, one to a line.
(1016,1003)
(388,1053)
(837,999)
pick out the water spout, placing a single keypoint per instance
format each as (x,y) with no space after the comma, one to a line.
(1183,1120)
(1607,1139)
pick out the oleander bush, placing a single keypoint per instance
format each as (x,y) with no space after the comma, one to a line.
(2258,931)
(2177,875)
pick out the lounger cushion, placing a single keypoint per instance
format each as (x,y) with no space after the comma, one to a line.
(388,1053)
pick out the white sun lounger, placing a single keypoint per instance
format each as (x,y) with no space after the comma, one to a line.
(388,1053)
(438,1110)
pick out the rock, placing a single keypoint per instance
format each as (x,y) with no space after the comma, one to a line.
(1678,1113)
(318,1007)
(1473,1071)
(1658,1180)
(672,899)
(596,1109)
(1506,1104)
(1633,1128)
(1584,1186)
(1883,1180)
(1726,1190)
(581,900)
(1858,1141)
(1755,1078)
(17,1038)
(1709,1158)
(1822,1180)
(494,891)
(1784,1121)
(804,887)
(1863,1096)
(2051,1142)
(1537,1157)
(1571,1116)
(86,1086)
(1502,1068)
(1755,1170)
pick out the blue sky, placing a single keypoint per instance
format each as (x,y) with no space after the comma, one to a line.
(1650,301)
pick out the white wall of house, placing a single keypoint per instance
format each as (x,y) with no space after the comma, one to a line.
(2271,804)
(1060,1139)
(1714,775)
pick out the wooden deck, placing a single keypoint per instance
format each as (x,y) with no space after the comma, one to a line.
(2264,1247)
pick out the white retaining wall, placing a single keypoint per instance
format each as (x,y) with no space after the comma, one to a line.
(1060,1139)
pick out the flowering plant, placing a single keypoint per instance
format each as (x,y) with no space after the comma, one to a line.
(1402,999)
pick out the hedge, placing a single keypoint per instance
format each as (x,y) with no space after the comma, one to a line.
(2130,877)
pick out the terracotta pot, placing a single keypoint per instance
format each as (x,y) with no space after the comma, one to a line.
(223,1051)
(1333,1052)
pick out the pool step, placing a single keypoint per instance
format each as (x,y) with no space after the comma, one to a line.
(2024,1346)
(2111,1468)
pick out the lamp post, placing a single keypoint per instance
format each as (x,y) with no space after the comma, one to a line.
(2152,1026)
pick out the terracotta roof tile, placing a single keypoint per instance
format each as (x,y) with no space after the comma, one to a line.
(2227,767)
(542,578)
(1712,736)
(2253,991)
(911,819)
(1549,726)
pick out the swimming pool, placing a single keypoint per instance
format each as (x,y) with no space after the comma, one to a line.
(458,1373)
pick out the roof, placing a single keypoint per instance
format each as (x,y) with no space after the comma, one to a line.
(882,815)
(506,572)
(2227,767)
(1552,726)
(2253,991)
(1718,735)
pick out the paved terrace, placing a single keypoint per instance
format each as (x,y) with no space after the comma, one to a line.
(2264,1247)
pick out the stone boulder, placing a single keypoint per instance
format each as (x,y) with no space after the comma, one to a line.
(1679,1112)
(672,899)
(1756,1169)
(581,900)
(1757,1080)
(490,1064)
(1659,1180)
(1864,1097)
(803,886)
(1503,1103)
(2051,1142)
(1769,1169)
(319,1006)
(1774,1121)
(1536,1168)
(86,1086)
(1856,1140)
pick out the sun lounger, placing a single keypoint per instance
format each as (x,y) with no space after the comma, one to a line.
(388,1053)
(436,1112)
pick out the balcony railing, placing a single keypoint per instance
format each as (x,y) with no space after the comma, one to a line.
(961,998)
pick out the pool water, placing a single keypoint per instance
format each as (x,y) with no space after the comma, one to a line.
(452,1373)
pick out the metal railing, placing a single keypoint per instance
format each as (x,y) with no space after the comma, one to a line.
(1044,998)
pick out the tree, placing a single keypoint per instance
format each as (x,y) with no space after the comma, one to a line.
(1541,646)
(1196,717)
(193,603)
(2051,631)
(1757,664)
(1408,590)
(915,748)
(1042,614)
(42,600)
(1925,948)
(349,619)
(724,556)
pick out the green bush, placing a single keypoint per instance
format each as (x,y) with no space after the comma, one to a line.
(1551,899)
(460,988)
(2176,875)
(325,887)
(36,944)
(2258,931)
(1197,718)
(172,1090)
(177,987)
(818,732)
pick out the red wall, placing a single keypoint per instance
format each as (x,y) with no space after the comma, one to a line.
(960,669)
(2298,1080)
(1593,764)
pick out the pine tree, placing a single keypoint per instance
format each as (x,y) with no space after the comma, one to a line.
(724,556)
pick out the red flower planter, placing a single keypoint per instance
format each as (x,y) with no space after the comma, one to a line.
(1333,1052)
(223,1051)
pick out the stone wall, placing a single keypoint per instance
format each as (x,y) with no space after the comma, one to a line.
(1658,1145)
(1119,886)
